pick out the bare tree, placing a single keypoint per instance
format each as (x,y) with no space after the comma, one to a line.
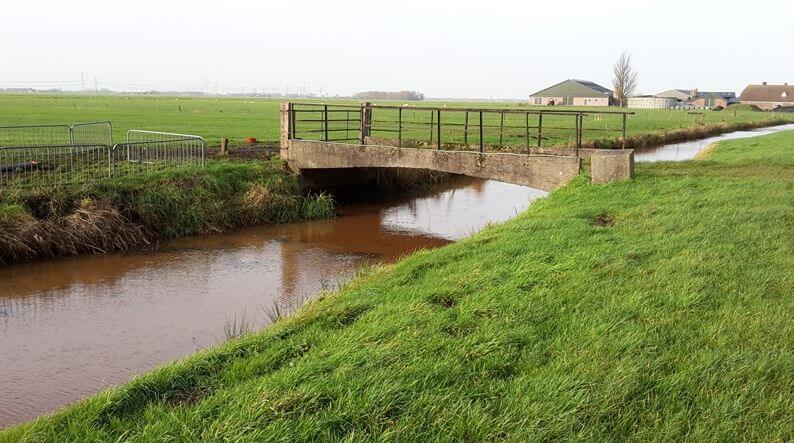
(625,81)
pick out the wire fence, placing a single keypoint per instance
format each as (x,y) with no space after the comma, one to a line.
(51,155)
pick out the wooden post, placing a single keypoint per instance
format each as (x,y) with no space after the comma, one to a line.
(526,134)
(540,127)
(482,142)
(438,128)
(224,145)
(400,127)
(623,141)
(466,129)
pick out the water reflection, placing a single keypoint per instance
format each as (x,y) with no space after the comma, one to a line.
(70,327)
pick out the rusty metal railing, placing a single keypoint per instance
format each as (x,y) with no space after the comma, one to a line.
(452,128)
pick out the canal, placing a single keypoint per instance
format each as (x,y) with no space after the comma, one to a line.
(71,327)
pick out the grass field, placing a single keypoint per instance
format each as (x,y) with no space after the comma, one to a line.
(237,119)
(657,309)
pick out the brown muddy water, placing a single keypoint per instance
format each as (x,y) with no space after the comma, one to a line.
(69,328)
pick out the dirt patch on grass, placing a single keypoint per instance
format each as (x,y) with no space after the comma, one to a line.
(602,220)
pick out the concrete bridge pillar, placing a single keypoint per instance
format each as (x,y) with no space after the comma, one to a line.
(611,165)
(286,129)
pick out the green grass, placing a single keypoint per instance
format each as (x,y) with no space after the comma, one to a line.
(237,119)
(136,210)
(656,309)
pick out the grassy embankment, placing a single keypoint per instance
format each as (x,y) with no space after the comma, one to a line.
(238,118)
(138,210)
(657,309)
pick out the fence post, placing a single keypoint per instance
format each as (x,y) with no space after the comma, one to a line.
(466,130)
(578,133)
(623,141)
(366,122)
(501,128)
(540,127)
(287,130)
(224,145)
(438,128)
(325,123)
(400,127)
(482,142)
(526,135)
(432,126)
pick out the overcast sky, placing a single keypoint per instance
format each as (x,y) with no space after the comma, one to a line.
(482,49)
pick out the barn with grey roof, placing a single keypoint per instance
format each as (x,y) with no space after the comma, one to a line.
(573,93)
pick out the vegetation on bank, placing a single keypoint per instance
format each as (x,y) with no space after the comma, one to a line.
(138,210)
(656,309)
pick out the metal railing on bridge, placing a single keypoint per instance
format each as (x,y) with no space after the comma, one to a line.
(51,155)
(483,129)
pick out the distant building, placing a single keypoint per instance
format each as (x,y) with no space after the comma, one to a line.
(573,93)
(681,95)
(651,102)
(713,99)
(768,97)
(689,98)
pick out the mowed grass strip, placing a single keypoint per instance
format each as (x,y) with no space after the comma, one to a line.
(656,309)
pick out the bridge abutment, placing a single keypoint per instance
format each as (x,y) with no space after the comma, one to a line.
(611,165)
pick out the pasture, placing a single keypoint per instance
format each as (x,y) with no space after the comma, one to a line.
(238,118)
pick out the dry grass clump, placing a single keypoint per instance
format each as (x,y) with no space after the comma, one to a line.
(93,227)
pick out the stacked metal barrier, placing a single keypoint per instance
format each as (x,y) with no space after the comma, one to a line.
(51,155)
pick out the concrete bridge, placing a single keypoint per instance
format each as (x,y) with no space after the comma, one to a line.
(345,155)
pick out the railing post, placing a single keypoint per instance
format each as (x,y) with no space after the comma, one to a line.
(482,142)
(526,135)
(466,129)
(287,129)
(501,127)
(540,127)
(438,128)
(432,126)
(576,143)
(400,127)
(623,141)
(366,122)
(325,123)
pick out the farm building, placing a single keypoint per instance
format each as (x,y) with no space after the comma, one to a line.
(573,93)
(651,102)
(692,98)
(712,99)
(681,95)
(768,97)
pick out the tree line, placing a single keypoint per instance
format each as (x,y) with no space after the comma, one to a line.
(390,95)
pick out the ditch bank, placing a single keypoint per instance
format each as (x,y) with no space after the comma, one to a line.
(139,211)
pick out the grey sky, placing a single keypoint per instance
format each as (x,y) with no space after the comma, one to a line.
(483,49)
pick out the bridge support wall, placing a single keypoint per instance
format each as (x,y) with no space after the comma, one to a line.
(540,172)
